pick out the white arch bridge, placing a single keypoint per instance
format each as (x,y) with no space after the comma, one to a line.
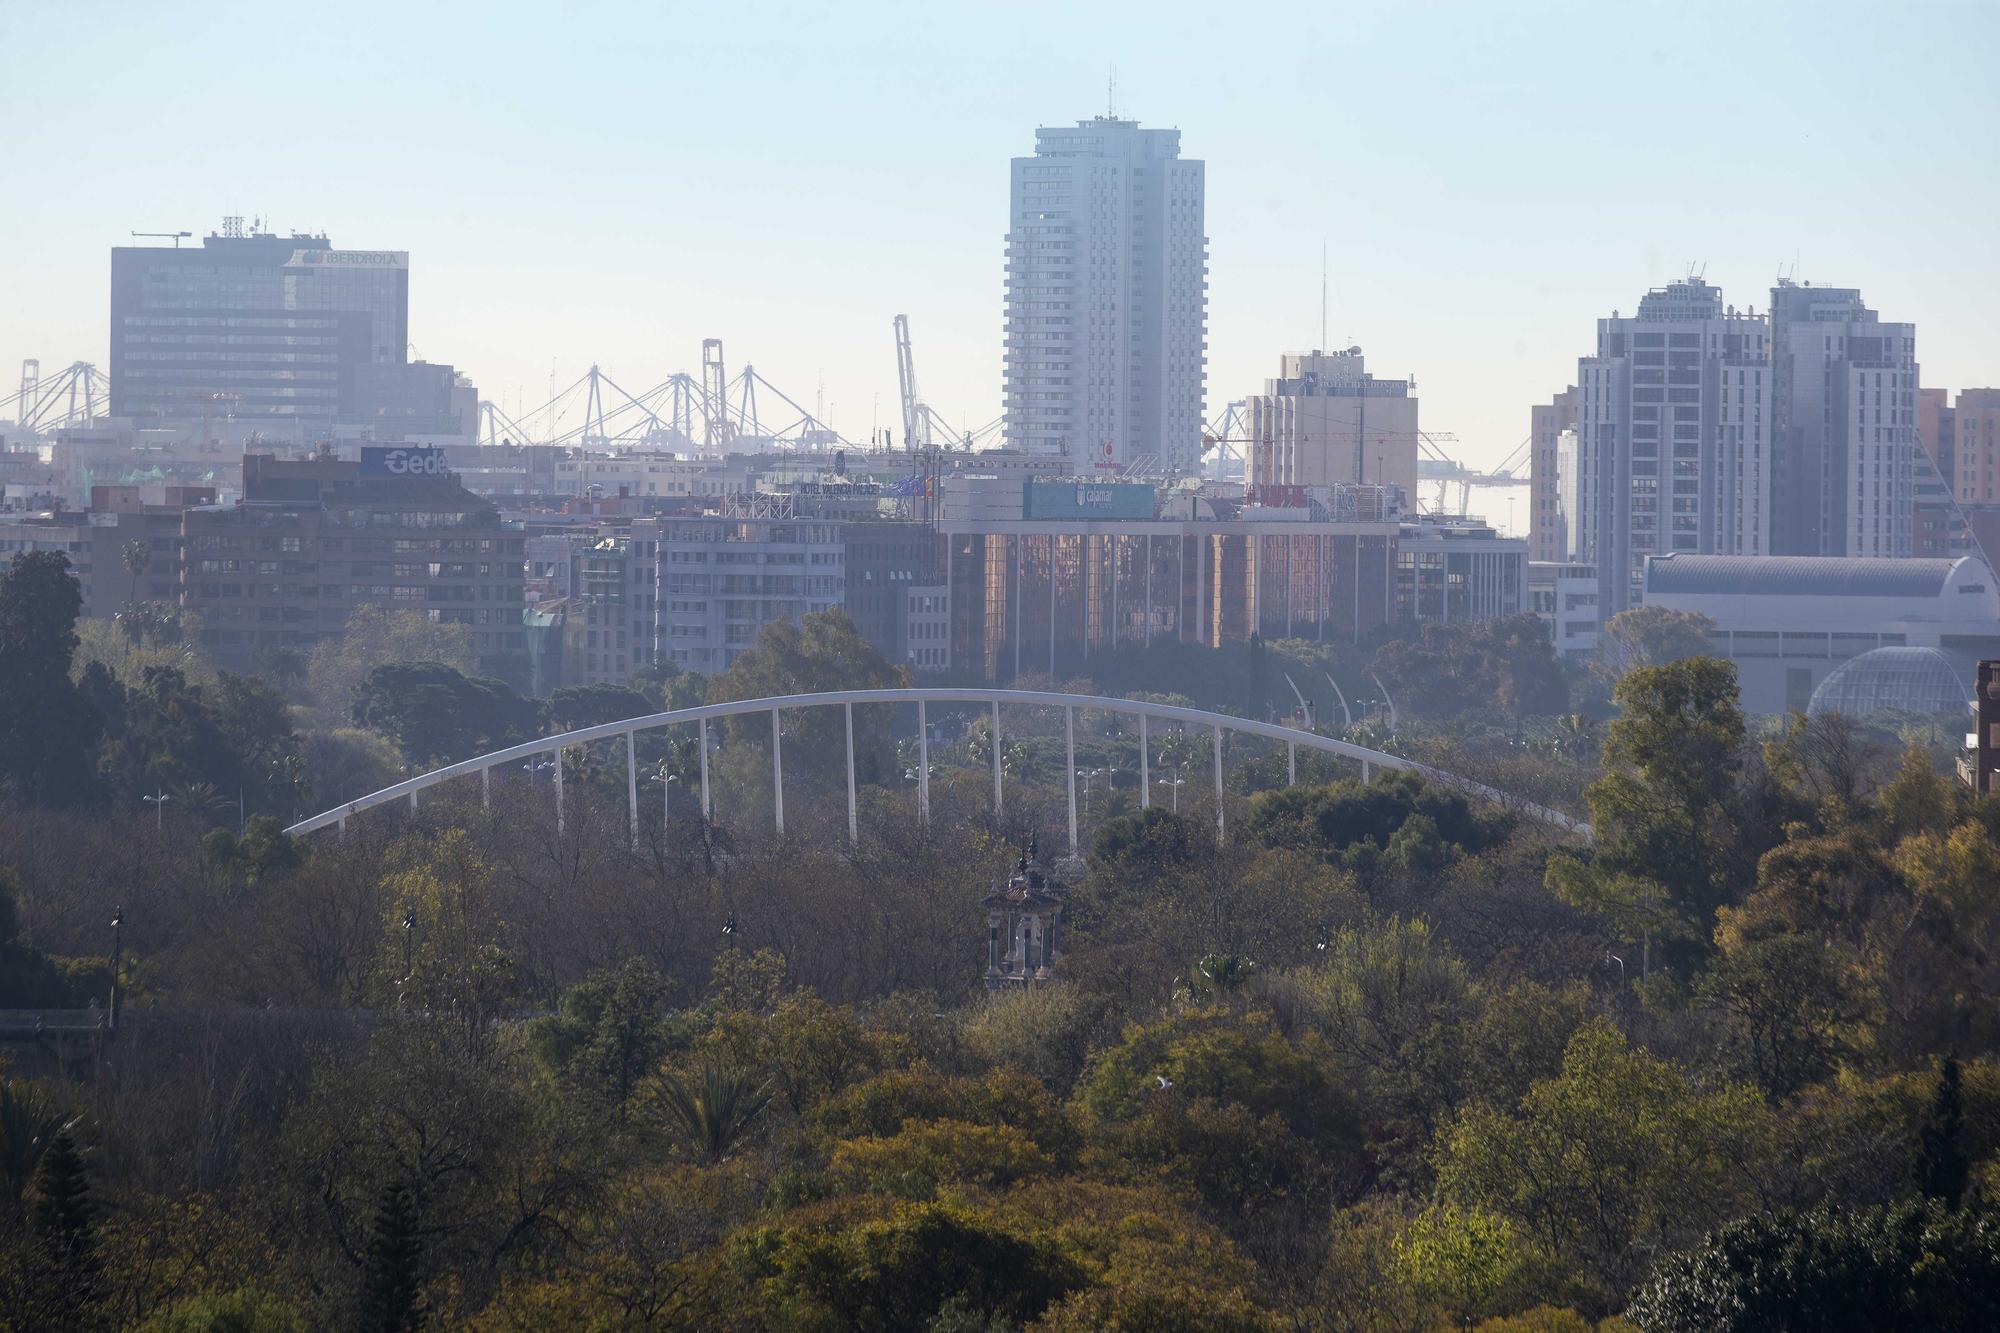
(1195,719)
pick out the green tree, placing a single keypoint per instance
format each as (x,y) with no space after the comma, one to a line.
(1839,1269)
(1393,1005)
(1649,636)
(373,638)
(1619,1158)
(242,1310)
(577,706)
(1667,847)
(1829,760)
(1468,1261)
(924,1154)
(823,651)
(1787,1003)
(873,1267)
(608,1033)
(392,1283)
(1330,820)
(65,1227)
(286,667)
(234,736)
(437,714)
(1226,1057)
(1505,665)
(48,730)
(1942,1167)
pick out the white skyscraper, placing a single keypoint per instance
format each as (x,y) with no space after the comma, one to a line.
(1672,438)
(1844,433)
(1107,296)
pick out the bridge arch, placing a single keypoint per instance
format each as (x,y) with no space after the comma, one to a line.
(1147,713)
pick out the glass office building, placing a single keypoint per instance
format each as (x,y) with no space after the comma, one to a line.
(1043,595)
(260,328)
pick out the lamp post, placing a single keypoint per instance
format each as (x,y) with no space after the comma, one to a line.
(117,950)
(409,935)
(1087,774)
(1175,784)
(667,781)
(159,804)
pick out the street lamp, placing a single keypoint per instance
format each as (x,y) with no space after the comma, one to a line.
(117,949)
(1174,783)
(1086,774)
(159,804)
(409,935)
(667,781)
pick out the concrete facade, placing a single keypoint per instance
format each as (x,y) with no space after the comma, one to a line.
(1326,421)
(1673,437)
(1107,296)
(1844,425)
(1548,524)
(725,576)
(1564,595)
(1455,570)
(283,331)
(313,540)
(1787,621)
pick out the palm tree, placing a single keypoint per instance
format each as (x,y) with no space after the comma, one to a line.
(711,1115)
(1575,735)
(30,1119)
(202,799)
(136,559)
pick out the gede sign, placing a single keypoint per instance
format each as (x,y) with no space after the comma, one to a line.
(403,462)
(1086,500)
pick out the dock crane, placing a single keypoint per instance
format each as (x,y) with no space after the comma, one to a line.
(715,399)
(916,418)
(1232,429)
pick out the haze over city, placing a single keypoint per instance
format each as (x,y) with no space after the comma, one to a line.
(615,183)
(1001,669)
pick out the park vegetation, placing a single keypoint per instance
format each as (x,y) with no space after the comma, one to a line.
(1371,1056)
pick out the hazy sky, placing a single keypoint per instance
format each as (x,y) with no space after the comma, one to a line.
(615,182)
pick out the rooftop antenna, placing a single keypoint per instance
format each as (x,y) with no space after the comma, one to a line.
(1111,92)
(1322,295)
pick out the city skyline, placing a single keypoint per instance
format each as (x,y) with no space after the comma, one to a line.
(1453,254)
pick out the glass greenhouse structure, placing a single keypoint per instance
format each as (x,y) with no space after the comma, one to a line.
(1910,680)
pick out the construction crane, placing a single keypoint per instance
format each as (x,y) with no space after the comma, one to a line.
(923,427)
(916,420)
(1232,429)
(715,394)
(73,396)
(175,236)
(1445,472)
(682,413)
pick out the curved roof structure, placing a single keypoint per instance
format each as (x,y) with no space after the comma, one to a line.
(1798,575)
(1910,680)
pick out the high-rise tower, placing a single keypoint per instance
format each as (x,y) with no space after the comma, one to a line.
(1673,429)
(267,328)
(1107,296)
(1844,425)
